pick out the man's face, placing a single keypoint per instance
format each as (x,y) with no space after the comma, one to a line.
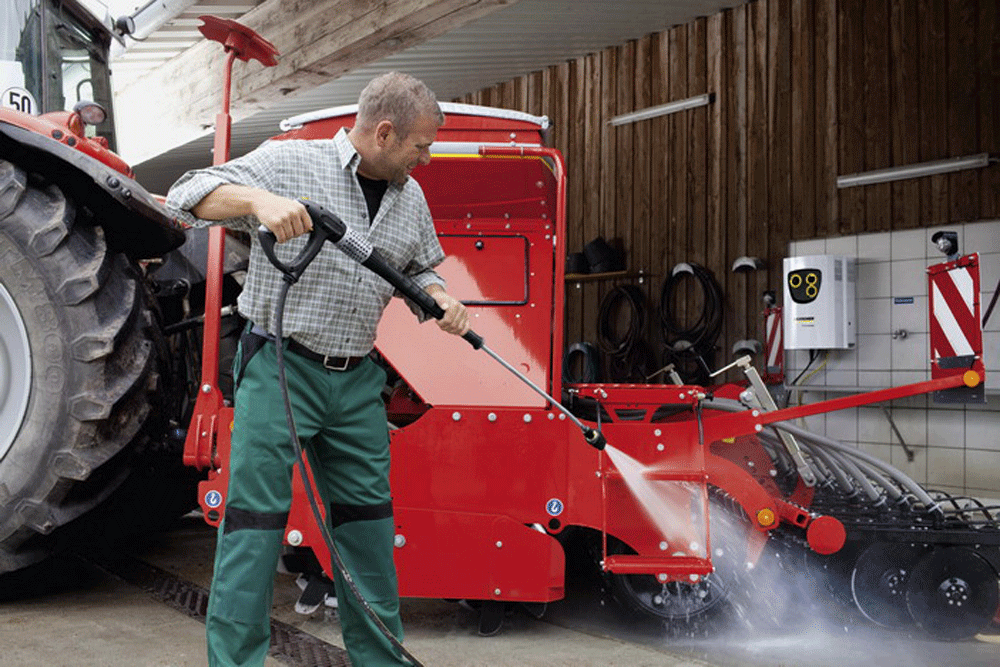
(401,155)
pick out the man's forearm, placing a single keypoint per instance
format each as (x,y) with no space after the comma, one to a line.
(227,201)
(287,218)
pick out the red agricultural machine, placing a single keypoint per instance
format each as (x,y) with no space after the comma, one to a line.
(113,371)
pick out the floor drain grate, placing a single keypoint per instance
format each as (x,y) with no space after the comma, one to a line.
(288,644)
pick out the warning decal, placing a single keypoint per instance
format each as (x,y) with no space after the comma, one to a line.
(956,332)
(954,309)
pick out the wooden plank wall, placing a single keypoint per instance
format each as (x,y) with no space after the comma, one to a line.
(805,90)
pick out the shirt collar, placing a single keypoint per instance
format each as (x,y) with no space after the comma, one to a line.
(349,155)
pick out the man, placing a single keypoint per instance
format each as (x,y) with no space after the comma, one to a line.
(330,321)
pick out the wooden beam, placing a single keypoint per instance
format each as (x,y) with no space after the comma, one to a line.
(318,42)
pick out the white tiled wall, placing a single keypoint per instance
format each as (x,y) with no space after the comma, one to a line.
(956,447)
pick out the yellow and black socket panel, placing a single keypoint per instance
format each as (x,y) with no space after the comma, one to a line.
(804,284)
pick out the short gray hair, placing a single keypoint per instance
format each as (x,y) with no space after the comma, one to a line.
(398,98)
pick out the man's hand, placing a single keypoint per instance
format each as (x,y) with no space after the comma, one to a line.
(287,218)
(456,317)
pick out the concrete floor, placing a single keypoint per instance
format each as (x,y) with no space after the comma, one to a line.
(99,620)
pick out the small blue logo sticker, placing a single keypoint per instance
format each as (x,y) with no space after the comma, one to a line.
(554,507)
(213,499)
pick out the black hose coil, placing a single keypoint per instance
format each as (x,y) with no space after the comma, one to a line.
(620,343)
(590,364)
(690,345)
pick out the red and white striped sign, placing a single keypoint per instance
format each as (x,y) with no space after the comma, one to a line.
(956,331)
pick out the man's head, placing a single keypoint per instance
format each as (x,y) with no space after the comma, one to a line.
(398,118)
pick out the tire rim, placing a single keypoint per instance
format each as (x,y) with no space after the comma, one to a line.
(15,371)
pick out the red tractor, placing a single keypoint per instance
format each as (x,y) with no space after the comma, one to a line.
(115,338)
(87,384)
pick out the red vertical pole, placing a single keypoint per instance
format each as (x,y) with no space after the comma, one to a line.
(216,245)
(198,448)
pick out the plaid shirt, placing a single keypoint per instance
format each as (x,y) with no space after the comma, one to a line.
(335,307)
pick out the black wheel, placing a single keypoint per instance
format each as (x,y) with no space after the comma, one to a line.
(78,367)
(687,606)
(879,582)
(953,593)
(674,602)
(836,570)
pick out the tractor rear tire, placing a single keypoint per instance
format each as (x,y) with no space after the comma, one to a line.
(78,368)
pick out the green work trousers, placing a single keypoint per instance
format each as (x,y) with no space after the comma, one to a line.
(342,425)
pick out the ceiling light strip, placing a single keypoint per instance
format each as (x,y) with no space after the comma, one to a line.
(917,170)
(663,109)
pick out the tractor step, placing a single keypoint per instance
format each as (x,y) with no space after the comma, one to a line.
(674,567)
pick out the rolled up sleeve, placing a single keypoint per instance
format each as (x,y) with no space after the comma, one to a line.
(421,267)
(255,169)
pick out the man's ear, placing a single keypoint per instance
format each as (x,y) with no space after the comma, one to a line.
(382,132)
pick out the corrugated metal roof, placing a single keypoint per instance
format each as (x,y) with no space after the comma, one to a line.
(164,29)
(524,37)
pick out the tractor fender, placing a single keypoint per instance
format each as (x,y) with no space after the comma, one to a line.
(741,485)
(134,222)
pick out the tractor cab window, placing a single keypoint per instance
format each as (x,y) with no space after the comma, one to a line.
(51,58)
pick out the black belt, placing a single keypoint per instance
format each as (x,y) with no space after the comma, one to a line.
(329,362)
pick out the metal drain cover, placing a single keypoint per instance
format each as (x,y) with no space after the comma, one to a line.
(288,644)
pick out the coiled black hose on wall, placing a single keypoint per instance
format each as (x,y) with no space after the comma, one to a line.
(589,358)
(690,345)
(621,323)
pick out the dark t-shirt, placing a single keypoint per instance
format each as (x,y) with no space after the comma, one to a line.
(374,190)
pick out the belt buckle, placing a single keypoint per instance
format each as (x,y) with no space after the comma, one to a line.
(335,367)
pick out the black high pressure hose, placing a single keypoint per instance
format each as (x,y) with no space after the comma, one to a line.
(290,277)
(328,227)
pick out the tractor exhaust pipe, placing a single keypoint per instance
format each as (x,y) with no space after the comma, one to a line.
(329,227)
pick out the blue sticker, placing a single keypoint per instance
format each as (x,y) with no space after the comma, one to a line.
(213,499)
(554,507)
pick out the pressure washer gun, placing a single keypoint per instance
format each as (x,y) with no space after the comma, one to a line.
(328,227)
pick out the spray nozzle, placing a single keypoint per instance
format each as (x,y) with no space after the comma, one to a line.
(594,438)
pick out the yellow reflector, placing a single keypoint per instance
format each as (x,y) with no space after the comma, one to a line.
(765,517)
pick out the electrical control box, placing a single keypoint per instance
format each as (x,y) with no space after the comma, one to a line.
(819,307)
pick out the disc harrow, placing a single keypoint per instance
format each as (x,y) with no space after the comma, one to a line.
(913,557)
